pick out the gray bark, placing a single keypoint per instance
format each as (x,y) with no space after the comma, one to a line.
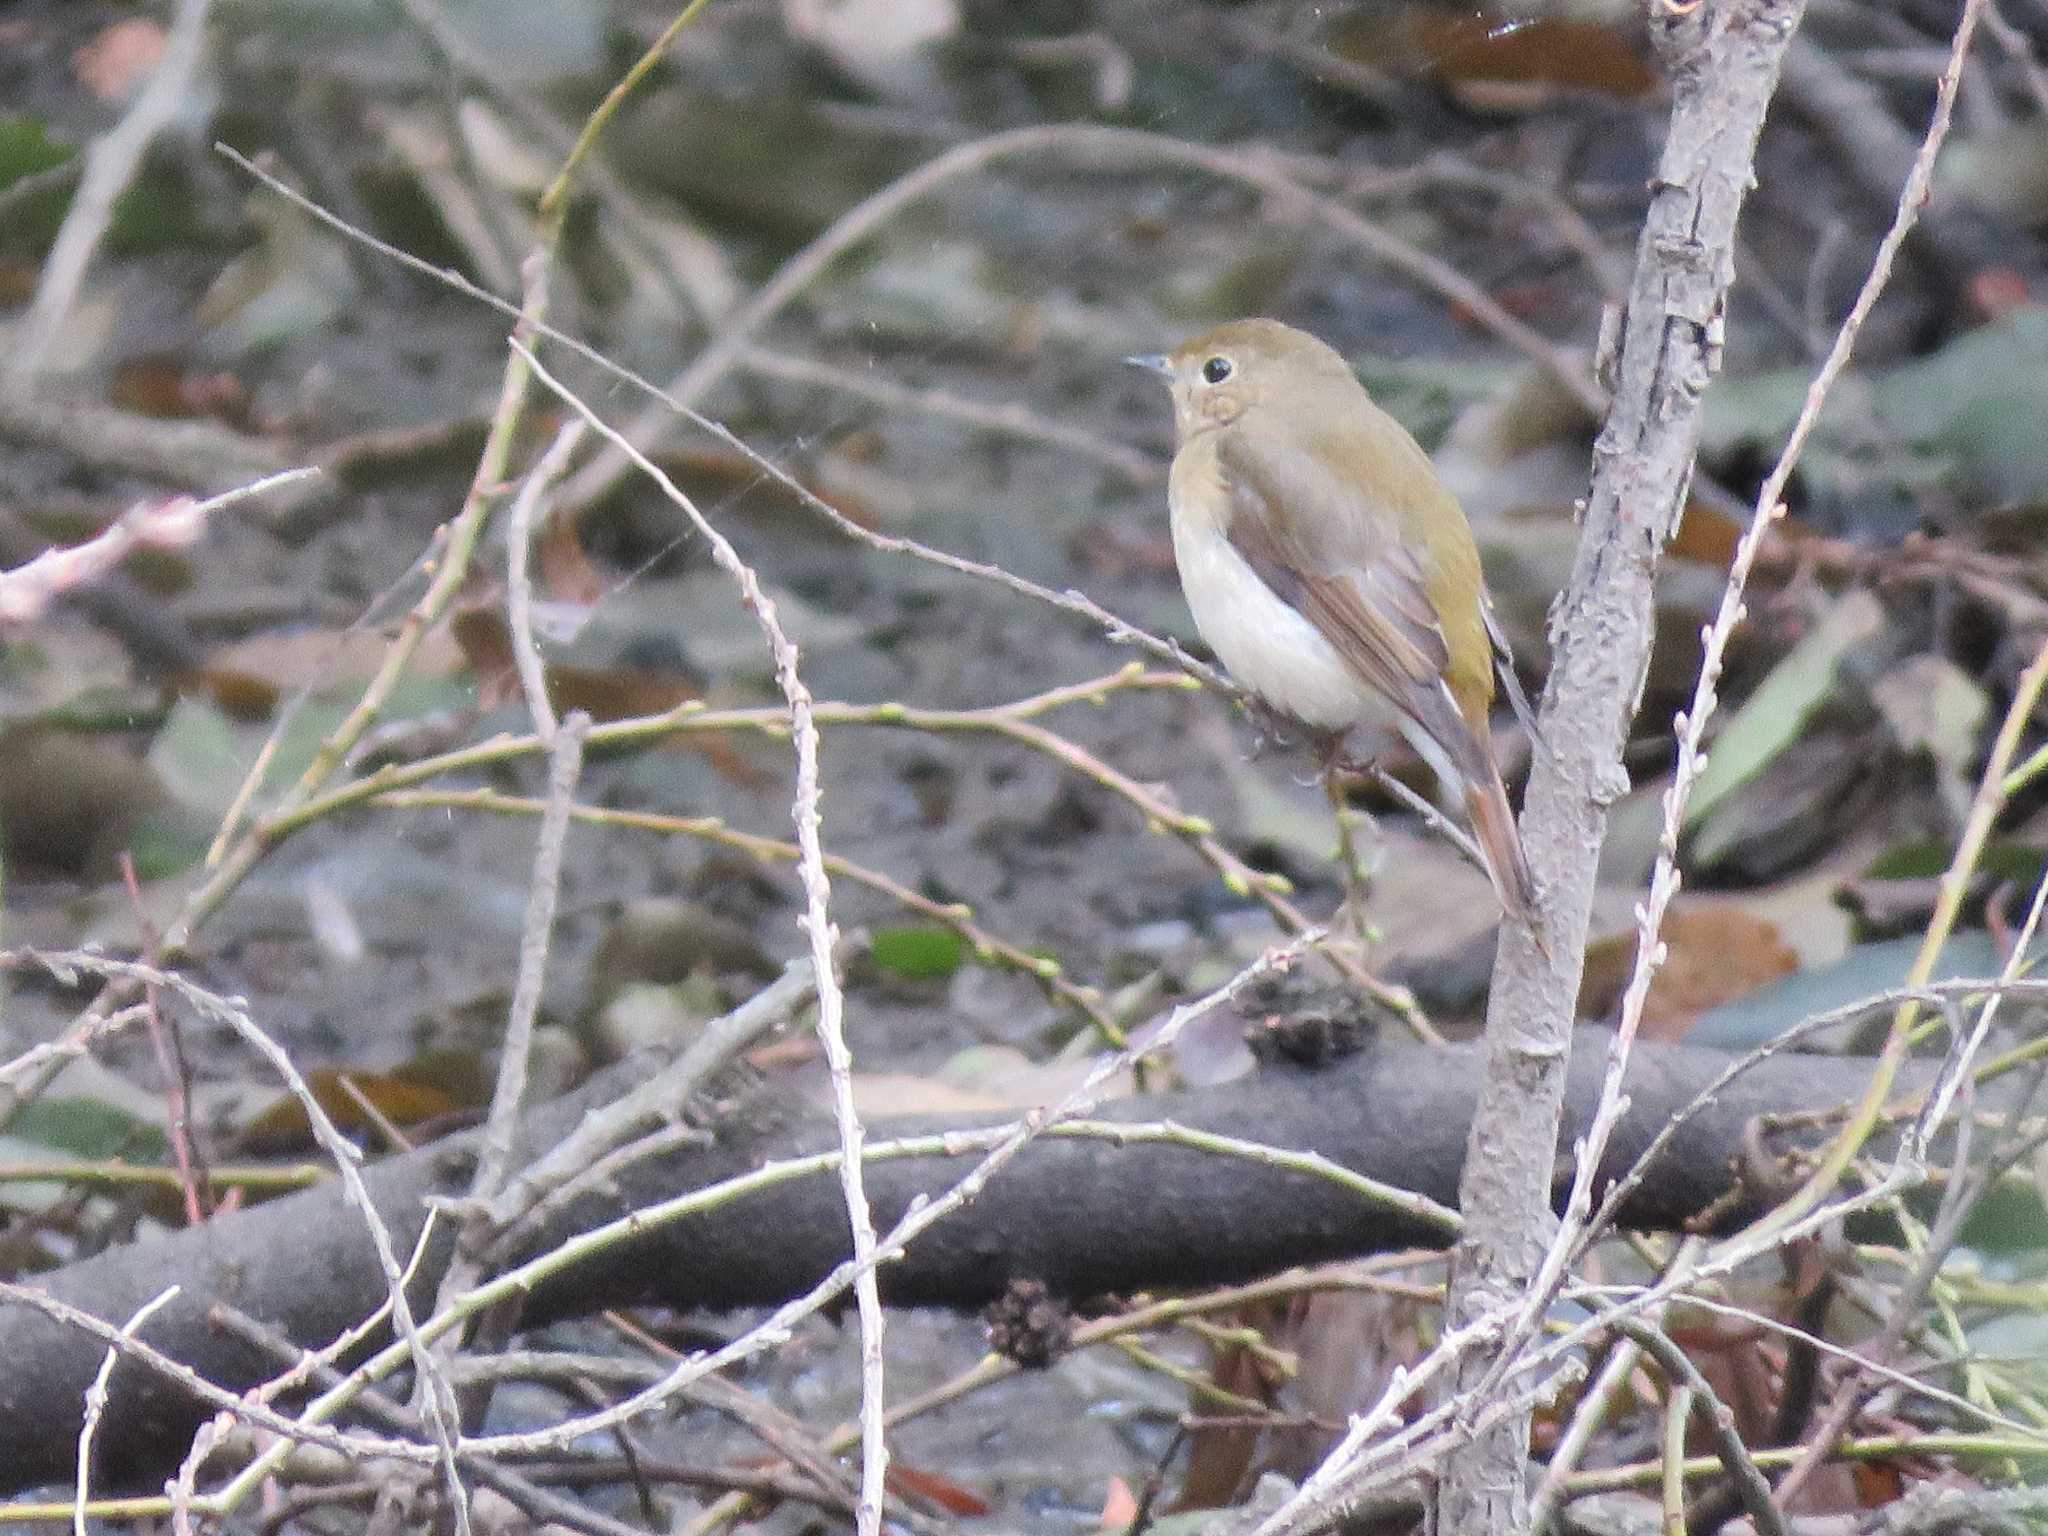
(1724,57)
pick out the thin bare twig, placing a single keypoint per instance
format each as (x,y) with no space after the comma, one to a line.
(110,164)
(519,525)
(565,767)
(167,1041)
(438,1402)
(1725,60)
(551,1178)
(1677,1414)
(2019,48)
(96,1402)
(1012,419)
(177,523)
(36,183)
(1680,1372)
(1691,724)
(1956,1077)
(553,201)
(1868,1448)
(1089,143)
(197,456)
(823,938)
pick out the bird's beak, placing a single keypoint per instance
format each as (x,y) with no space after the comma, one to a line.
(1156,362)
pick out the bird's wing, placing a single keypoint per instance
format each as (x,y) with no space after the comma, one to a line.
(1504,670)
(1361,589)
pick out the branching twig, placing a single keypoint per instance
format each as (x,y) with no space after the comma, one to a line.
(564,769)
(519,526)
(96,1402)
(26,591)
(1725,61)
(823,940)
(1565,1246)
(662,1097)
(1679,1371)
(476,1228)
(437,1405)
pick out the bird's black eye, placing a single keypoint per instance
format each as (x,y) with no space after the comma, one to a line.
(1217,369)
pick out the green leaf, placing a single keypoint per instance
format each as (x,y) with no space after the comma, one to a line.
(165,844)
(26,148)
(88,1128)
(159,210)
(2009,1220)
(1927,860)
(1975,406)
(920,954)
(1774,715)
(197,755)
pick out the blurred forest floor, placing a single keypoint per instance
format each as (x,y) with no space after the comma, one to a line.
(1450,197)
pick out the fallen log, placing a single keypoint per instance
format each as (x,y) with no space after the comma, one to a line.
(1083,1216)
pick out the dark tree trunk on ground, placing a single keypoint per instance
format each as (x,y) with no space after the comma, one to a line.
(1085,1216)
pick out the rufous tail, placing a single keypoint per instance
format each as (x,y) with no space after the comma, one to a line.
(1493,824)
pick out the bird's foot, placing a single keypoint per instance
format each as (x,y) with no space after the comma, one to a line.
(1271,729)
(1337,764)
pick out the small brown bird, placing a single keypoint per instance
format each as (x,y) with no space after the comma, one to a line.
(1329,568)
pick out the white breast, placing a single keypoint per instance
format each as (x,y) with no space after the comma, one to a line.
(1267,646)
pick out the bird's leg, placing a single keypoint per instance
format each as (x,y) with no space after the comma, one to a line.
(1335,767)
(1270,727)
(1336,757)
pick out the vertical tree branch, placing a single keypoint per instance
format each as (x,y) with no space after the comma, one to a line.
(1724,59)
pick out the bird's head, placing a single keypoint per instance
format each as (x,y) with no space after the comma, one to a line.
(1249,365)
